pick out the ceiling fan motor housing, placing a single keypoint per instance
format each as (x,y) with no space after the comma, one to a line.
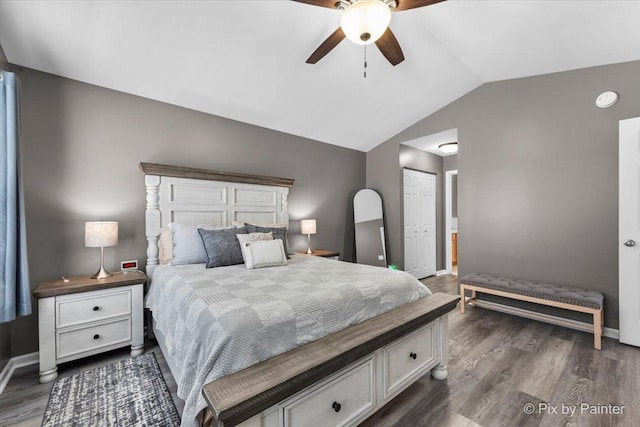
(343,4)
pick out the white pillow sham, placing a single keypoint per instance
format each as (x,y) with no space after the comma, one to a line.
(263,253)
(187,243)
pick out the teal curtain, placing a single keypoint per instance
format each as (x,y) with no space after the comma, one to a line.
(15,299)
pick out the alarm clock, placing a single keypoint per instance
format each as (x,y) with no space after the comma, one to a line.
(129,265)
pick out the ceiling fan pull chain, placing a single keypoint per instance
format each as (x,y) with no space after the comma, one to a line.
(365,61)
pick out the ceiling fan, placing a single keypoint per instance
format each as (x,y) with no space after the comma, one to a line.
(365,22)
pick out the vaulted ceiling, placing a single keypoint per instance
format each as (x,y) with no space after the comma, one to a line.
(245,60)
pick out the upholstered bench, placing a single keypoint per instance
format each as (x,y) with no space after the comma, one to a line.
(569,298)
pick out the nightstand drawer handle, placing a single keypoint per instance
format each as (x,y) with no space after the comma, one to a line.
(96,308)
(96,337)
(413,356)
(336,406)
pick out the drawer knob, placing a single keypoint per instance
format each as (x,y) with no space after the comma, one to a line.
(336,406)
(96,337)
(96,308)
(413,356)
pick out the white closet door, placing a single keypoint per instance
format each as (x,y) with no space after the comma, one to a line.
(411,228)
(629,231)
(419,223)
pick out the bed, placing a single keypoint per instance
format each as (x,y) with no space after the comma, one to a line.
(212,324)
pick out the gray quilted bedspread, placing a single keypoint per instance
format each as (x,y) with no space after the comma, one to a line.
(220,320)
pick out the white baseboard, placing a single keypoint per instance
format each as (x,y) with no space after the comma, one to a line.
(555,320)
(15,363)
(441,272)
(611,333)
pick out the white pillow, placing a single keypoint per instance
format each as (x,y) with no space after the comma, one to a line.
(263,253)
(187,243)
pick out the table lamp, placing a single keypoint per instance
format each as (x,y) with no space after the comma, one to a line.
(308,227)
(101,234)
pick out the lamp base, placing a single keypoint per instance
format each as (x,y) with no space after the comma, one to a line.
(101,274)
(309,250)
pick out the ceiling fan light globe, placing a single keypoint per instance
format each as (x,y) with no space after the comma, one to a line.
(365,21)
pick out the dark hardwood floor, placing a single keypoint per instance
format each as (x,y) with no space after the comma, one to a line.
(499,363)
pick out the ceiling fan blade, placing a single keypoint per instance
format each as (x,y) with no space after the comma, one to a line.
(409,4)
(331,4)
(390,48)
(332,41)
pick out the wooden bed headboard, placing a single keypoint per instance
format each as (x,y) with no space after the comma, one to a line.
(200,196)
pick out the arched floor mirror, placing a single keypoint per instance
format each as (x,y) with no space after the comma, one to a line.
(369,228)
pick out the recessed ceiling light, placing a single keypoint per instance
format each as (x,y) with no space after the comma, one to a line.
(606,99)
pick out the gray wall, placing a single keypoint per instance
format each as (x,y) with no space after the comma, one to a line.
(413,158)
(5,328)
(384,176)
(81,148)
(450,163)
(538,176)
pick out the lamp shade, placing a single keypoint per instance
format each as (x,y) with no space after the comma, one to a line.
(308,226)
(100,234)
(365,21)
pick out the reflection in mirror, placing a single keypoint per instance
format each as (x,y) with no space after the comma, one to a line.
(369,227)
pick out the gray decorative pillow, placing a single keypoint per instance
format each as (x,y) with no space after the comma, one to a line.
(278,233)
(222,246)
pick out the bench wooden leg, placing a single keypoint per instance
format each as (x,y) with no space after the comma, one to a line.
(597,328)
(463,299)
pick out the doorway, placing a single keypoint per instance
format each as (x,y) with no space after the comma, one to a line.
(419,189)
(451,221)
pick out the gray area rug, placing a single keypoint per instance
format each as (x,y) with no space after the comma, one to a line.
(131,392)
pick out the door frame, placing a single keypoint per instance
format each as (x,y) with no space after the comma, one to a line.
(448,207)
(628,229)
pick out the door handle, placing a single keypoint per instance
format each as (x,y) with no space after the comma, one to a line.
(630,243)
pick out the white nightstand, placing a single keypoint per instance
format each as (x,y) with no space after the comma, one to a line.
(86,316)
